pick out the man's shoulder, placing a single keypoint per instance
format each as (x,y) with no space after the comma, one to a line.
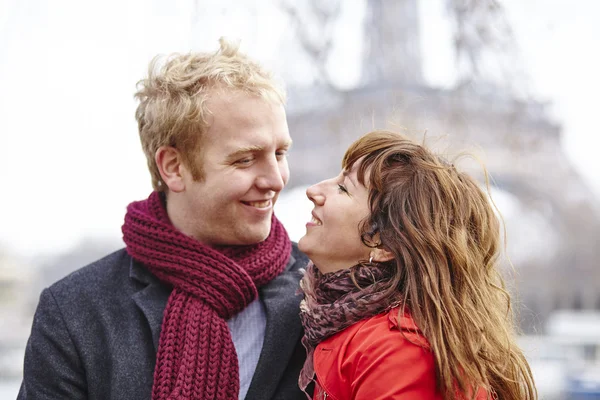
(98,276)
(300,259)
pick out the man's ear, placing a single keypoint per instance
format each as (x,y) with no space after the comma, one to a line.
(170,166)
(381,254)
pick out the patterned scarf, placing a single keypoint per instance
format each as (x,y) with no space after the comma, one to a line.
(334,301)
(196,357)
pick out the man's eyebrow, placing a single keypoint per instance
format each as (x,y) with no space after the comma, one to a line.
(347,175)
(245,150)
(285,145)
(255,149)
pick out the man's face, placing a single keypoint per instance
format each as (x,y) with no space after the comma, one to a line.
(244,166)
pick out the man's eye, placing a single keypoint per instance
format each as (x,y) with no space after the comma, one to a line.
(342,189)
(244,161)
(280,154)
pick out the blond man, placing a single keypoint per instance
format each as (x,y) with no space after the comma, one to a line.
(201,302)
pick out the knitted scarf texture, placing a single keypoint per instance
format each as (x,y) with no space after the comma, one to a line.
(336,300)
(196,357)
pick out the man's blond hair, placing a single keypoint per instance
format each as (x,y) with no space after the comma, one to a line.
(172,110)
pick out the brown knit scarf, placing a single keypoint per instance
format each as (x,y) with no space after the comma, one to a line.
(334,301)
(196,357)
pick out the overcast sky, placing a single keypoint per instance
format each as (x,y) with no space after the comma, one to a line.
(71,159)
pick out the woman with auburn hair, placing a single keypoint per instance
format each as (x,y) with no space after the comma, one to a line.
(403,298)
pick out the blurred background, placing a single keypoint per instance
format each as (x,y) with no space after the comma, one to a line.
(514,82)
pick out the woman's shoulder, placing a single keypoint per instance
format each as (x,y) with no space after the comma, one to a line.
(389,336)
(384,356)
(395,327)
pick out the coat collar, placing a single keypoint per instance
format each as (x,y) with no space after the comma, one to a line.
(151,298)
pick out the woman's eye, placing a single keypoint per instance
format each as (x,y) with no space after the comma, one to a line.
(341,188)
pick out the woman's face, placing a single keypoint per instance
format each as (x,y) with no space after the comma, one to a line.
(332,240)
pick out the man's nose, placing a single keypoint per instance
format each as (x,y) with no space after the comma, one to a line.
(272,177)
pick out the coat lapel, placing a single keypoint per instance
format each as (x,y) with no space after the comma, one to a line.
(283,331)
(151,298)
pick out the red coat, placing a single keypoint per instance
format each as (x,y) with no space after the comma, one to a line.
(372,360)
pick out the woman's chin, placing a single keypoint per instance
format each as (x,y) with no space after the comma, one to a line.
(303,246)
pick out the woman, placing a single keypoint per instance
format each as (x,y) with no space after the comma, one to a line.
(404,299)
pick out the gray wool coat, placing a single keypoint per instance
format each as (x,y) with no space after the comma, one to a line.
(95,334)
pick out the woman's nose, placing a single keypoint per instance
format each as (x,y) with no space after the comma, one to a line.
(315,194)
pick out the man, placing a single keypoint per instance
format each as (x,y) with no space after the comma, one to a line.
(201,304)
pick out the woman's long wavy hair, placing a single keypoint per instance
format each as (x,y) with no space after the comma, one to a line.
(445,237)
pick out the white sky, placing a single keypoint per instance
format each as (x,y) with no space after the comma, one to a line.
(71,159)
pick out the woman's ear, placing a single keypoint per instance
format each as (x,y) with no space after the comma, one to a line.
(381,254)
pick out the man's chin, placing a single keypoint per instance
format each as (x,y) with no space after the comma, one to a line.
(254,236)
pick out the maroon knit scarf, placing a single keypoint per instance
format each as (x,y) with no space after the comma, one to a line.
(333,302)
(196,358)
